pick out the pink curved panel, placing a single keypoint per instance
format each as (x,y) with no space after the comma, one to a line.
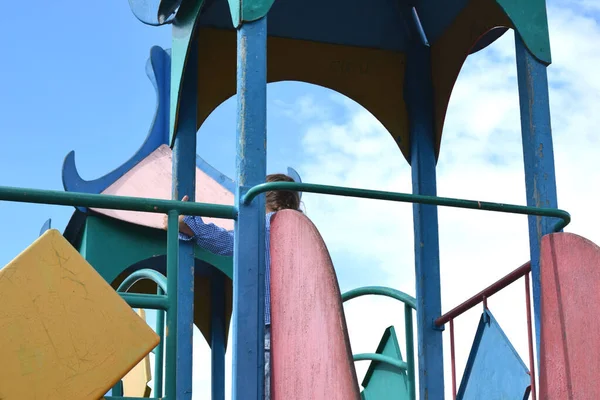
(569,355)
(311,355)
(151,178)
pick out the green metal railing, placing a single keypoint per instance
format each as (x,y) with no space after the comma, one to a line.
(162,301)
(564,216)
(410,304)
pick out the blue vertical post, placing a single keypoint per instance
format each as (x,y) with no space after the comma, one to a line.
(419,100)
(217,336)
(184,183)
(538,157)
(249,253)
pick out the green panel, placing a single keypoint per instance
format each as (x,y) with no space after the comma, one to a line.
(251,10)
(384,381)
(531,22)
(111,246)
(183,31)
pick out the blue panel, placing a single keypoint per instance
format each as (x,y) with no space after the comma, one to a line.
(217,336)
(538,157)
(158,69)
(419,101)
(249,252)
(184,183)
(494,369)
(376,23)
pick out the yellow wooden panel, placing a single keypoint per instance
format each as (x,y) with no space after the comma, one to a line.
(135,383)
(64,332)
(373,78)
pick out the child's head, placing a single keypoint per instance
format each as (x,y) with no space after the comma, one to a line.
(281,199)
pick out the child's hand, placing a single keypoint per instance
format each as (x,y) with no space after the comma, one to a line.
(183,228)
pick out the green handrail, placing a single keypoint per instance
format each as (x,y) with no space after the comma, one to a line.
(149,301)
(25,195)
(142,274)
(381,291)
(409,198)
(410,304)
(381,358)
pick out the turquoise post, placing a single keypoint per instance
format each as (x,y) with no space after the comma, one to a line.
(419,95)
(538,157)
(249,251)
(159,354)
(184,183)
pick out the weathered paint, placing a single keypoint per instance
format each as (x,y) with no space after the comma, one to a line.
(158,68)
(384,382)
(419,95)
(311,356)
(184,183)
(151,178)
(135,383)
(249,251)
(538,156)
(569,362)
(494,369)
(66,334)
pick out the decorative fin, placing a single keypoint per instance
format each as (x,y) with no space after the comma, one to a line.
(292,173)
(214,173)
(154,12)
(47,225)
(158,69)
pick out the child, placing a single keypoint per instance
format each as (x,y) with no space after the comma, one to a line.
(220,241)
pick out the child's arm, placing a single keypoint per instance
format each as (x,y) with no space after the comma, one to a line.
(211,237)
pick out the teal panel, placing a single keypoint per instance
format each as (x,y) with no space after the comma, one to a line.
(184,26)
(494,369)
(530,20)
(112,246)
(383,381)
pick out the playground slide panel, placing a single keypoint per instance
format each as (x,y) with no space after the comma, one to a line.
(570,281)
(152,178)
(494,369)
(311,356)
(64,332)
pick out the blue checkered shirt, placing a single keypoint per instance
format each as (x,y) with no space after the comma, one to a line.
(219,241)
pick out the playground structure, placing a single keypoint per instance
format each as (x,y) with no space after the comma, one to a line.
(400,60)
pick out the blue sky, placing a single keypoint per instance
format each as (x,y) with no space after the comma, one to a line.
(73,79)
